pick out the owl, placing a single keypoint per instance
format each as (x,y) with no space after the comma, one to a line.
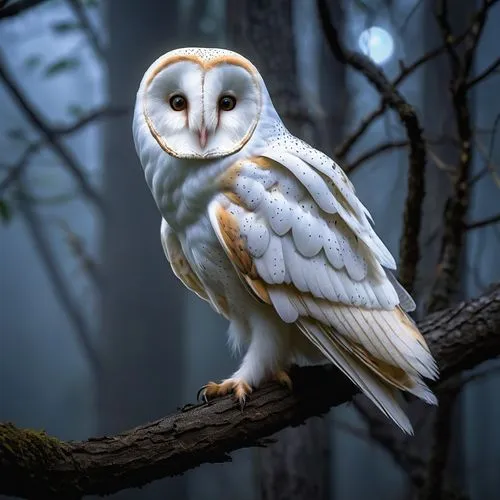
(269,231)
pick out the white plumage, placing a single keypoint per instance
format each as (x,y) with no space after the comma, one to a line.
(271,233)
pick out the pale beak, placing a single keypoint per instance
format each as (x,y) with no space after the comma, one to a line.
(202,134)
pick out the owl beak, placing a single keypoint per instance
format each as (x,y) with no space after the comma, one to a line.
(202,135)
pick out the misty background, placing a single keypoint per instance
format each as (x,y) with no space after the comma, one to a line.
(96,333)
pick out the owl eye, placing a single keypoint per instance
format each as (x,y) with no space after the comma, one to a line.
(227,102)
(178,102)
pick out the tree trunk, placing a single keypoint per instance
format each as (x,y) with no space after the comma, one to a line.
(297,466)
(141,345)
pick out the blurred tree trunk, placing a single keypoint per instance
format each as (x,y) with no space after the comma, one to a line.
(297,466)
(141,346)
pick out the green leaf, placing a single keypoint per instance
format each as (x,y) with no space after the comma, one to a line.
(33,61)
(16,134)
(63,27)
(57,67)
(5,213)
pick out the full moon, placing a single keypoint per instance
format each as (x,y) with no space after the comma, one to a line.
(377,44)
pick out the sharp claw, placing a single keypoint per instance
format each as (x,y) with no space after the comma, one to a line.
(243,403)
(201,394)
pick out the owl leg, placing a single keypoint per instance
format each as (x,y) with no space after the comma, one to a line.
(266,359)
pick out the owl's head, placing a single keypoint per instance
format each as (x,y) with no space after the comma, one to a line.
(200,103)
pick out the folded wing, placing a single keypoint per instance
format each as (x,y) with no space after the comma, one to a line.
(302,242)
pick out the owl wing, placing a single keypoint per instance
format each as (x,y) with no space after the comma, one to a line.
(183,270)
(302,242)
(180,265)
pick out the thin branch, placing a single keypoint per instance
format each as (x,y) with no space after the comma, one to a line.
(17,7)
(81,15)
(49,135)
(492,68)
(404,73)
(409,248)
(374,152)
(456,211)
(15,171)
(342,150)
(33,465)
(61,288)
(488,221)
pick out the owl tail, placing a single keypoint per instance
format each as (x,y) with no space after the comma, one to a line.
(379,381)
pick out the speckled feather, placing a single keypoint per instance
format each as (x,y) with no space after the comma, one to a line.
(256,212)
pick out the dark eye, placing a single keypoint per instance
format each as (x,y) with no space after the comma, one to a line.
(178,102)
(227,102)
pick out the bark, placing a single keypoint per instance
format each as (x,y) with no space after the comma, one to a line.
(33,465)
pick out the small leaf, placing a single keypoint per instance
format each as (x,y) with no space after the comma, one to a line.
(5,213)
(16,134)
(63,27)
(61,65)
(75,110)
(33,61)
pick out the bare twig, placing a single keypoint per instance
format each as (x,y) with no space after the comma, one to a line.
(374,152)
(49,135)
(492,68)
(15,171)
(61,288)
(17,7)
(409,249)
(406,71)
(87,27)
(488,221)
(33,465)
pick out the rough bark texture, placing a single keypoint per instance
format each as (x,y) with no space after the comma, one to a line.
(33,465)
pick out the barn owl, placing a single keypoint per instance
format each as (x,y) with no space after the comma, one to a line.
(270,232)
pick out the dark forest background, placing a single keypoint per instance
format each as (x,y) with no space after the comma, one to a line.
(96,333)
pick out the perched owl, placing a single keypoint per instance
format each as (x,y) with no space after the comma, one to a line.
(270,232)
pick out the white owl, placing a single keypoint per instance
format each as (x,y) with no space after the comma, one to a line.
(270,232)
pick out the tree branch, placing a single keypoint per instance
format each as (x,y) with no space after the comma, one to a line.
(409,247)
(492,68)
(17,7)
(61,289)
(494,219)
(374,152)
(33,465)
(456,210)
(81,15)
(15,171)
(49,135)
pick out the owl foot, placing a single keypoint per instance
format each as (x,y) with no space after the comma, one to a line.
(283,378)
(239,387)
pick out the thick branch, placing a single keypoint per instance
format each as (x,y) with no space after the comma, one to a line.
(457,206)
(33,465)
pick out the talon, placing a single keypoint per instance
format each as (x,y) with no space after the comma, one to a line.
(283,378)
(238,387)
(200,393)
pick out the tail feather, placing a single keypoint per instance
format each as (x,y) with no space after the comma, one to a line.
(379,387)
